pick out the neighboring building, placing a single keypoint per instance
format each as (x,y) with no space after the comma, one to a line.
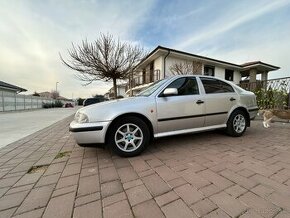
(121,91)
(6,87)
(158,65)
(50,95)
(9,98)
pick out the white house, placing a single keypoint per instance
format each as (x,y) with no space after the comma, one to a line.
(121,91)
(158,65)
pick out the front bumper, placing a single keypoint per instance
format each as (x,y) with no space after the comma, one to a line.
(89,133)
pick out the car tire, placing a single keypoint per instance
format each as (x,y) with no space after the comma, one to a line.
(237,123)
(128,136)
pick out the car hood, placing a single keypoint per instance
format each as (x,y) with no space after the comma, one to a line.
(108,110)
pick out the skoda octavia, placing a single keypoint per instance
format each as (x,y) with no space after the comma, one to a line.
(175,105)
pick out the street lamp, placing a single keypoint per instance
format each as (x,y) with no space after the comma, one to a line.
(56,86)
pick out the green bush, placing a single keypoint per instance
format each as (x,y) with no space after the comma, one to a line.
(271,98)
(46,105)
(58,103)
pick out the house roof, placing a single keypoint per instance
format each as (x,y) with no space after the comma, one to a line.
(161,50)
(11,87)
(259,63)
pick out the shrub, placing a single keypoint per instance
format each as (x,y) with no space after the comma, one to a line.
(271,98)
(58,103)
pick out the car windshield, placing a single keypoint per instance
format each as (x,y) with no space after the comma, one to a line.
(152,88)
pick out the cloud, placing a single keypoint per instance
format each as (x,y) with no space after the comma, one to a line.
(231,21)
(33,33)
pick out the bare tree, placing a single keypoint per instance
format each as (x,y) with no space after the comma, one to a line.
(54,94)
(186,67)
(104,59)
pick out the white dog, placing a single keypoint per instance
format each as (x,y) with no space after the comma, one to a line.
(270,114)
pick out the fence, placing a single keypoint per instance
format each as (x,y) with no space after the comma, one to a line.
(10,101)
(271,94)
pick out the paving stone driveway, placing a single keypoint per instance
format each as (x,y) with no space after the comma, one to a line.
(200,175)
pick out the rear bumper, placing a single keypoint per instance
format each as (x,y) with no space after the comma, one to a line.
(253,112)
(89,133)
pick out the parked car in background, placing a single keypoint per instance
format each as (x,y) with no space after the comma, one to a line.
(68,105)
(176,105)
(90,101)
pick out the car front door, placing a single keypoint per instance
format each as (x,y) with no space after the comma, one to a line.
(182,111)
(219,99)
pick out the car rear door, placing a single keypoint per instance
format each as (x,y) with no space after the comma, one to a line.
(182,111)
(219,99)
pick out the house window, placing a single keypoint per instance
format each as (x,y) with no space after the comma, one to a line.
(229,75)
(143,76)
(152,71)
(209,70)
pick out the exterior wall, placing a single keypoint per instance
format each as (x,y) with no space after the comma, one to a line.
(10,101)
(237,77)
(121,91)
(158,66)
(171,60)
(220,73)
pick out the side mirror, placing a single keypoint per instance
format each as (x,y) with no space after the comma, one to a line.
(170,92)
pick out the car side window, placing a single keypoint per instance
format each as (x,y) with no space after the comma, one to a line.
(226,87)
(215,86)
(185,86)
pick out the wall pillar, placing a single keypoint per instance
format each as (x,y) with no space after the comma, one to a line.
(253,74)
(264,79)
(264,76)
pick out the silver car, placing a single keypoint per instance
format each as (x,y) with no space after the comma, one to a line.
(175,105)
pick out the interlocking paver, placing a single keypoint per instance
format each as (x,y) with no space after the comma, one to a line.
(205,175)
(114,198)
(132,183)
(177,209)
(235,191)
(119,209)
(13,200)
(217,214)
(127,174)
(148,209)
(203,207)
(111,188)
(166,198)
(155,185)
(138,194)
(31,214)
(90,210)
(230,205)
(61,206)
(67,181)
(87,199)
(261,206)
(188,194)
(88,185)
(37,198)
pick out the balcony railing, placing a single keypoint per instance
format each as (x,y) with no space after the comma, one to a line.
(137,81)
(271,94)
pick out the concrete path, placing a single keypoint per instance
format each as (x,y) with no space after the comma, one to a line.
(199,175)
(16,125)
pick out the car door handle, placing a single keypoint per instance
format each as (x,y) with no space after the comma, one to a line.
(232,99)
(200,102)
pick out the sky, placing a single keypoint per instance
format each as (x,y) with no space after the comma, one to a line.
(33,34)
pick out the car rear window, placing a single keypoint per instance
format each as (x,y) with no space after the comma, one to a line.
(212,85)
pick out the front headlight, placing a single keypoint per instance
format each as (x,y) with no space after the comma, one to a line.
(81,118)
